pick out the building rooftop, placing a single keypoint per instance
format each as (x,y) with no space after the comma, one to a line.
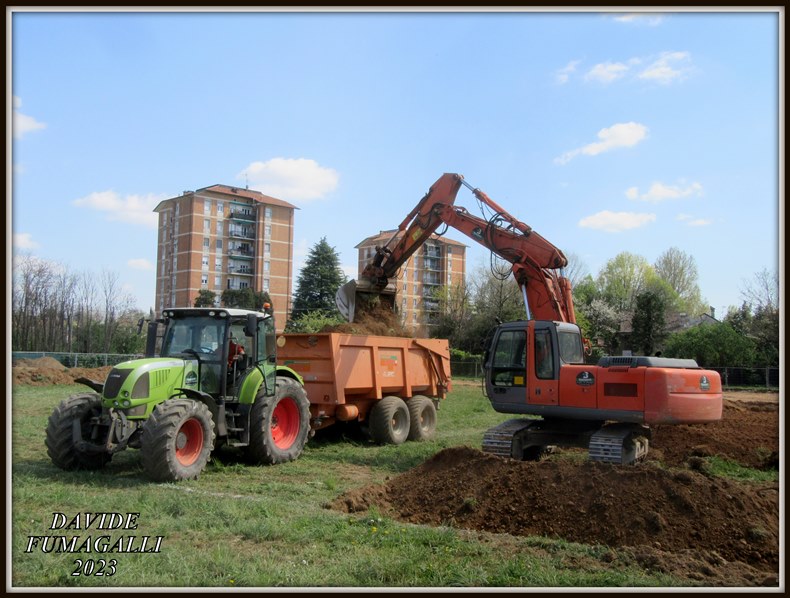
(256,196)
(385,235)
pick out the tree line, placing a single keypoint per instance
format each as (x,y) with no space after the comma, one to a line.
(60,310)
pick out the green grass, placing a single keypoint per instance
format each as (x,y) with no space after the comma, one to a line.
(242,525)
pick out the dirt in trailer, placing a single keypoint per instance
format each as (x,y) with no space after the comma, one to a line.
(667,514)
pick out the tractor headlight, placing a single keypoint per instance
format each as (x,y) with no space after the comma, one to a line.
(141,387)
(126,403)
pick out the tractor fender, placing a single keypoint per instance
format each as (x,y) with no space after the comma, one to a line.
(217,409)
(254,380)
(96,386)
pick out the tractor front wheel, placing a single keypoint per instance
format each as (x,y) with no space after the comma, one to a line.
(177,440)
(77,410)
(279,424)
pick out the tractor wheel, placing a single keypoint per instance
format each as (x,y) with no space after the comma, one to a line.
(60,433)
(279,424)
(389,421)
(177,440)
(422,415)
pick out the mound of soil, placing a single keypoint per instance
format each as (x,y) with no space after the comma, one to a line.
(46,371)
(646,507)
(748,433)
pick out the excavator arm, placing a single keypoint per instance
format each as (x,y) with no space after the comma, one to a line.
(534,260)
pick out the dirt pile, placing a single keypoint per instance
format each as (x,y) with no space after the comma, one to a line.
(591,503)
(748,433)
(46,371)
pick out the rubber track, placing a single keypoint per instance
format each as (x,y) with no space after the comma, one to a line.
(499,439)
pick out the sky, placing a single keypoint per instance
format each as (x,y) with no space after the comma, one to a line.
(605,132)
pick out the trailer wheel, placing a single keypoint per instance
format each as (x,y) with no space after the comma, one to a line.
(279,424)
(177,440)
(389,421)
(422,413)
(60,433)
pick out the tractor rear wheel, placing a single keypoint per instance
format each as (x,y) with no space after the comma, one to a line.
(61,447)
(422,413)
(279,424)
(389,421)
(177,440)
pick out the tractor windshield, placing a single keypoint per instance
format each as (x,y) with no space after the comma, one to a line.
(202,335)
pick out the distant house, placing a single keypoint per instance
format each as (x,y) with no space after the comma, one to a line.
(675,322)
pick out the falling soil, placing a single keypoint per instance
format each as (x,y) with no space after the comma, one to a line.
(46,371)
(677,519)
(374,318)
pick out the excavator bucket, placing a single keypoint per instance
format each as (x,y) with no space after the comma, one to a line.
(356,297)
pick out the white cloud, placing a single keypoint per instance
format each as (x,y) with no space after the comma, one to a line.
(690,220)
(563,74)
(140,264)
(641,18)
(22,123)
(660,192)
(667,68)
(24,241)
(134,209)
(615,222)
(291,179)
(616,136)
(606,72)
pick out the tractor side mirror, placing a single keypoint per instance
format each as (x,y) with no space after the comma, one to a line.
(251,325)
(150,340)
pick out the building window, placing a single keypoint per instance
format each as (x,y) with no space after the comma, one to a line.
(218,263)
(219,227)
(405,286)
(217,282)
(204,280)
(266,266)
(449,250)
(220,208)
(414,303)
(268,231)
(205,262)
(219,244)
(403,306)
(243,285)
(267,248)
(207,225)
(207,206)
(416,275)
(267,211)
(265,284)
(206,242)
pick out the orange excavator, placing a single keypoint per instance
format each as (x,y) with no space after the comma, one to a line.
(536,366)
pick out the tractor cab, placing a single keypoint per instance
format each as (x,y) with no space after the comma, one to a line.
(220,346)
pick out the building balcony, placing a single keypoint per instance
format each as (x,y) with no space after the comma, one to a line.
(241,254)
(239,215)
(241,234)
(241,269)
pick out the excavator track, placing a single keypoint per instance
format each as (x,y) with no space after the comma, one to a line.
(621,444)
(499,439)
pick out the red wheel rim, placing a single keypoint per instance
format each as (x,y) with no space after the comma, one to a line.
(189,442)
(285,423)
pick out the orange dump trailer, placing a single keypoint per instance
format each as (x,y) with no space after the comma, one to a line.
(392,384)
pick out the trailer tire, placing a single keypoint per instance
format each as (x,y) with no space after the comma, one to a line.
(60,436)
(279,424)
(389,421)
(422,415)
(177,440)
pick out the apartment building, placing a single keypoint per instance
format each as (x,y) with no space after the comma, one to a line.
(439,262)
(222,237)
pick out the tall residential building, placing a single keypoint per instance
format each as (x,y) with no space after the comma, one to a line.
(222,237)
(438,263)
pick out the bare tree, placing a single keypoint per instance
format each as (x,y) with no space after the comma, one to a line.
(679,270)
(576,270)
(762,290)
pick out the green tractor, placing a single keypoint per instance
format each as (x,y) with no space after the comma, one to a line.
(215,382)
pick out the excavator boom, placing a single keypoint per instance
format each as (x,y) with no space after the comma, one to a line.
(535,261)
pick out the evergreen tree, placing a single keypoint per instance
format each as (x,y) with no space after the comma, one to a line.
(648,327)
(318,282)
(244,298)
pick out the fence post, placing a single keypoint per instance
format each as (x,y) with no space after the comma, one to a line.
(767,378)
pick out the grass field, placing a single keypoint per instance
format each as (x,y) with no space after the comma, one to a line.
(243,525)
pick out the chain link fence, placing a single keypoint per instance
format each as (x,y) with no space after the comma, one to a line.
(75,360)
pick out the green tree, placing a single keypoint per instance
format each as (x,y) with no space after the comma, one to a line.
(244,298)
(318,282)
(205,298)
(679,270)
(454,313)
(712,345)
(648,325)
(622,279)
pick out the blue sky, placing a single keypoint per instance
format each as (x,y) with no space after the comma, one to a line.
(605,132)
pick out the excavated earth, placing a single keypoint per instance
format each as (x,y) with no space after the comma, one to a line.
(666,515)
